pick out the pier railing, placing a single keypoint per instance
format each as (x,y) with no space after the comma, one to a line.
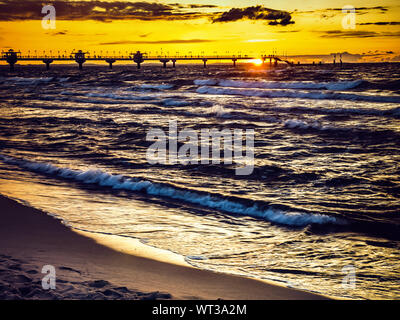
(80,57)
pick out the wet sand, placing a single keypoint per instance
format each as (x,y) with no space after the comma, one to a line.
(92,268)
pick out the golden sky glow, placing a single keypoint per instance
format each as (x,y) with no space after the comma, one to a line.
(317,29)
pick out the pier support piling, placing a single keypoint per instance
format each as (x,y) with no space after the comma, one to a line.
(138,58)
(80,58)
(110,62)
(11,57)
(47,62)
(164,62)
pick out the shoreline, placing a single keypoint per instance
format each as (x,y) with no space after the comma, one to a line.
(96,266)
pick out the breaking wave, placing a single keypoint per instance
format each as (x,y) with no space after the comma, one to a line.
(334,86)
(289,93)
(299,124)
(212,201)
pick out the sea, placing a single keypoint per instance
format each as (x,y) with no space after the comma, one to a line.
(320,210)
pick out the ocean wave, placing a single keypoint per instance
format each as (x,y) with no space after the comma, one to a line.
(334,86)
(156,86)
(84,97)
(32,81)
(299,124)
(205,82)
(118,96)
(366,111)
(392,112)
(219,111)
(212,201)
(275,93)
(25,81)
(64,79)
(175,103)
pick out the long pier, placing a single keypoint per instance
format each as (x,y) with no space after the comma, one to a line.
(80,57)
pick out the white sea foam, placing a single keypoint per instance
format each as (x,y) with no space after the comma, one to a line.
(299,124)
(219,111)
(104,179)
(339,86)
(25,81)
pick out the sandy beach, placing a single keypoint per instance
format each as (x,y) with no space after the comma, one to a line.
(86,269)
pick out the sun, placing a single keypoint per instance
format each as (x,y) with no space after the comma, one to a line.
(257,62)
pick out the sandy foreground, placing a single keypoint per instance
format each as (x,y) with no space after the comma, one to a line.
(90,268)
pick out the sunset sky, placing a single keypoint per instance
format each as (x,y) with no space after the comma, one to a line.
(307,29)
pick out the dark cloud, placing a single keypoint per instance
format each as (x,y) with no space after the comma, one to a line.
(178,41)
(359,10)
(380,8)
(100,10)
(326,16)
(60,33)
(391,23)
(65,32)
(356,34)
(198,6)
(107,11)
(275,17)
(348,34)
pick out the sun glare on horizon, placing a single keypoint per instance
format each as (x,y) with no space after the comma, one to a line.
(257,62)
